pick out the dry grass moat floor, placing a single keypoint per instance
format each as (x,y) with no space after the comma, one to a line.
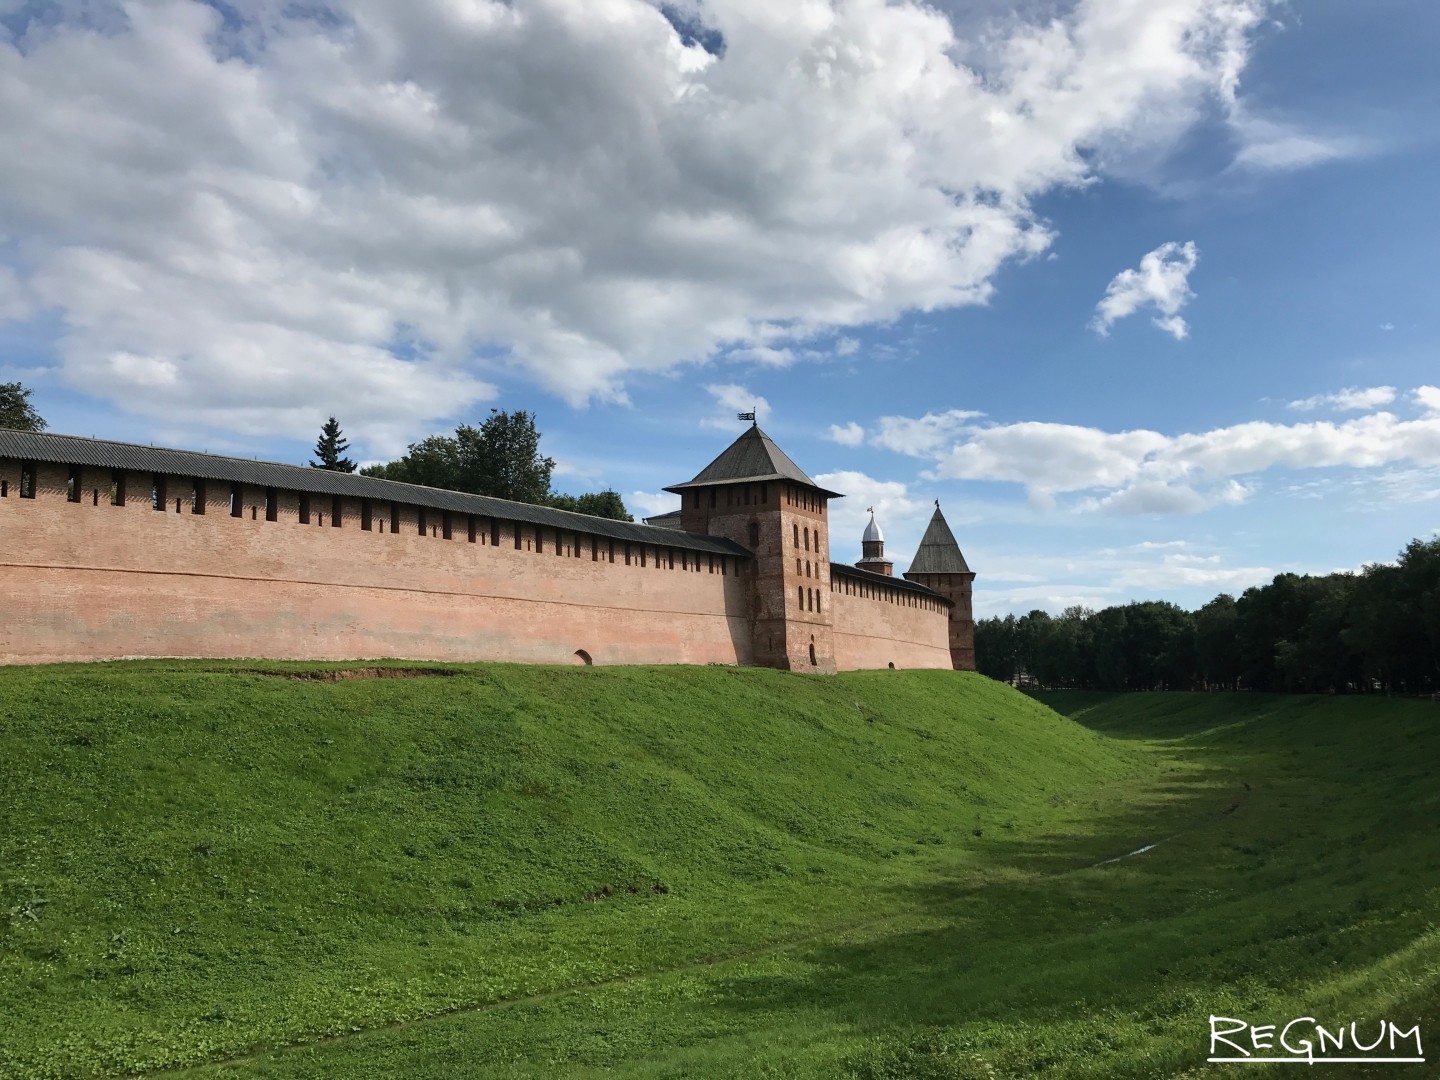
(208,871)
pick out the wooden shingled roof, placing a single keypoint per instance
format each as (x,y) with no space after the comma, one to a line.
(938,552)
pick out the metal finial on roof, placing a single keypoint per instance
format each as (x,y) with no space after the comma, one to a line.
(937,504)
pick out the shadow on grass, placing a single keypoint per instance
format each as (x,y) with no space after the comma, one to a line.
(1303,891)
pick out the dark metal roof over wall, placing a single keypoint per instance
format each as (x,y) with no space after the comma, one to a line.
(938,552)
(752,457)
(669,520)
(871,578)
(100,453)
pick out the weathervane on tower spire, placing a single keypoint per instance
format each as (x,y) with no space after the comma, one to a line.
(748,416)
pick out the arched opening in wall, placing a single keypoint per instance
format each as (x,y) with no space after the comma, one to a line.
(812,651)
(584,657)
(892,665)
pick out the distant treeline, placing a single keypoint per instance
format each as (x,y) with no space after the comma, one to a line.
(1375,630)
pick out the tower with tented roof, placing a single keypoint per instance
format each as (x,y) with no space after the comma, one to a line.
(756,496)
(939,565)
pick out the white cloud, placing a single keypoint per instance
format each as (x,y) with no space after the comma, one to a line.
(731,400)
(1019,582)
(372,207)
(1387,326)
(1159,497)
(1352,399)
(15,302)
(851,434)
(1271,146)
(643,504)
(901,518)
(1148,472)
(923,436)
(1161,282)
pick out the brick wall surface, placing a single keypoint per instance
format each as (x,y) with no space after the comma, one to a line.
(876,633)
(86,580)
(82,581)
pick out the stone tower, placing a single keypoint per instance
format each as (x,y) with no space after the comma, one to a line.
(755,495)
(938,565)
(872,550)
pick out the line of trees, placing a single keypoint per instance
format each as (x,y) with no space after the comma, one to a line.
(1378,630)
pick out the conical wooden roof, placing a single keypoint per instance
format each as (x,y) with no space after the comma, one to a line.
(938,552)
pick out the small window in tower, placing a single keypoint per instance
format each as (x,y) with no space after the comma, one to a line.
(807,539)
(797,534)
(800,596)
(72,484)
(754,535)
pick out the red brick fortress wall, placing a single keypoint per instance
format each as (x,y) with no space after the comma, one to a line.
(86,580)
(876,626)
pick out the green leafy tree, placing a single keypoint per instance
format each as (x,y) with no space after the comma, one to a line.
(501,458)
(1217,652)
(16,412)
(603,504)
(330,449)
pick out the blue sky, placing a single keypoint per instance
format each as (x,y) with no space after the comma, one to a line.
(1142,292)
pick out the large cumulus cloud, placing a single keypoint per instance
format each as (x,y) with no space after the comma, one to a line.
(258,215)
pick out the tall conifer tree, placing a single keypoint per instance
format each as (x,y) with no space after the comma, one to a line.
(330,449)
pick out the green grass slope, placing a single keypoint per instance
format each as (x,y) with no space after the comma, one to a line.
(196,861)
(531,872)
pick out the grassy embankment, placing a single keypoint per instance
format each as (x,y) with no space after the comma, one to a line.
(692,872)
